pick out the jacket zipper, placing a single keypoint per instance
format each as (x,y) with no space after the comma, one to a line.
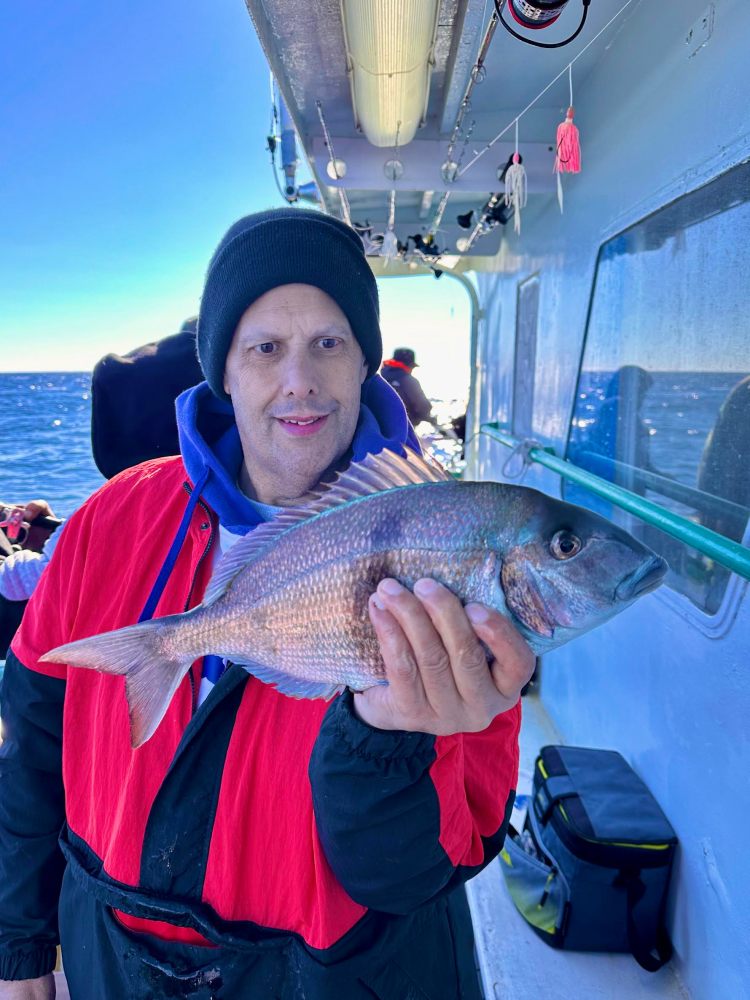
(186,487)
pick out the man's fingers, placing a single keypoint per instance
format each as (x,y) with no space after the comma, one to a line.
(471,671)
(425,641)
(514,661)
(401,669)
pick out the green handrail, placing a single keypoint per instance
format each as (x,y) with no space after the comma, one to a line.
(723,550)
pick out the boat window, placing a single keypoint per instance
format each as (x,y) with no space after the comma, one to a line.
(663,398)
(527,309)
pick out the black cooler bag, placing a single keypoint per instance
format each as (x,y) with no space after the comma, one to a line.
(590,870)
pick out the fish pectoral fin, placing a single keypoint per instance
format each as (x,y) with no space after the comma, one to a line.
(294,687)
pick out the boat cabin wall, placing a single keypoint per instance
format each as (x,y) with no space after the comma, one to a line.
(667,683)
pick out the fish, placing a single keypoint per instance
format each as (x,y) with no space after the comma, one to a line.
(288,602)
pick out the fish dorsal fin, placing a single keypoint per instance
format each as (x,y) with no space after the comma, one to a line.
(374,474)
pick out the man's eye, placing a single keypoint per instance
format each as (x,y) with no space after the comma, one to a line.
(328,342)
(267,348)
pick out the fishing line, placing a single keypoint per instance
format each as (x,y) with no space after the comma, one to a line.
(332,160)
(541,93)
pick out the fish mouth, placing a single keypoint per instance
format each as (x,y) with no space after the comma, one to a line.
(646,578)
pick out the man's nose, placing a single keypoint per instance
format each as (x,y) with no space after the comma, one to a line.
(299,376)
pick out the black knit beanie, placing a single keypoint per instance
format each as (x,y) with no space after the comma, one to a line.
(285,246)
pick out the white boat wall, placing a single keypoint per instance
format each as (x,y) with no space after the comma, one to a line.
(639,290)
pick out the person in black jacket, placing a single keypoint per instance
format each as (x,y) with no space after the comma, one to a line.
(397,371)
(257,846)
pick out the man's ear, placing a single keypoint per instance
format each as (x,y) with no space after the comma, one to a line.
(363,375)
(225,384)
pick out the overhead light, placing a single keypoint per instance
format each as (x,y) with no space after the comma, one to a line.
(462,244)
(390,55)
(336,169)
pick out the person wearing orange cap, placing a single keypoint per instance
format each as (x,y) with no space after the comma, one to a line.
(397,371)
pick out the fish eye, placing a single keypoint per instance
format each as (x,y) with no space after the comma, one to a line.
(565,545)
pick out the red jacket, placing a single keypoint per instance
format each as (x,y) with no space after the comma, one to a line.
(257,813)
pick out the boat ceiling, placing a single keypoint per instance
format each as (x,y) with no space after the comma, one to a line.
(306,51)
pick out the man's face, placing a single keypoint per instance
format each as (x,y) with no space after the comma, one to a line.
(294,373)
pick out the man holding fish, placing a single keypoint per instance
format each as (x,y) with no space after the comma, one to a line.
(229,827)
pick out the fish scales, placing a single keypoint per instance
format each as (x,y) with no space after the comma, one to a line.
(302,607)
(432,516)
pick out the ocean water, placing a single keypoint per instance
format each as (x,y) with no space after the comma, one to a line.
(678,412)
(45,443)
(45,439)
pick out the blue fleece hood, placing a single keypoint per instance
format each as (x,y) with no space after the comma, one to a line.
(210,443)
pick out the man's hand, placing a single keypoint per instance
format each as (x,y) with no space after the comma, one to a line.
(439,680)
(28,989)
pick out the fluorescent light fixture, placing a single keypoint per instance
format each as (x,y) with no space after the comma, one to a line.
(390,55)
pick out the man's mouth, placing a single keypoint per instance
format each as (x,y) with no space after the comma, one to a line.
(302,425)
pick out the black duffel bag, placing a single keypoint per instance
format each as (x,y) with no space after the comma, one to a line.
(590,870)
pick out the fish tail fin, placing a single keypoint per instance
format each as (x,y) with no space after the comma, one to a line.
(152,673)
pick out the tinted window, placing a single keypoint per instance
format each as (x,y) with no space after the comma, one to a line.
(663,399)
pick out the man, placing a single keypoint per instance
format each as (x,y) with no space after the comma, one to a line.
(256,846)
(397,371)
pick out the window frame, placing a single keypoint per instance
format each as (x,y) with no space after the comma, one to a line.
(712,625)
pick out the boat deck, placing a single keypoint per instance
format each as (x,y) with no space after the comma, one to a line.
(514,963)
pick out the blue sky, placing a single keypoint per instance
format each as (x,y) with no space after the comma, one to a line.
(134,134)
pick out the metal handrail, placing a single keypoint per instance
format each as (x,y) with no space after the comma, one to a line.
(723,550)
(705,503)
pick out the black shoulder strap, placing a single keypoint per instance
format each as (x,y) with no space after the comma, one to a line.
(651,955)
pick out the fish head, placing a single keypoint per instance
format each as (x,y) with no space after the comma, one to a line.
(570,570)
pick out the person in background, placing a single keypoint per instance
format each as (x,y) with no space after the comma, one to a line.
(132,419)
(257,845)
(132,400)
(21,565)
(723,469)
(397,371)
(619,431)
